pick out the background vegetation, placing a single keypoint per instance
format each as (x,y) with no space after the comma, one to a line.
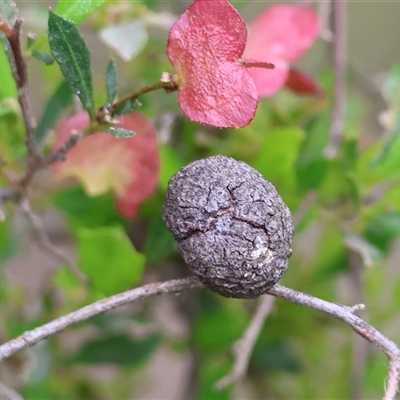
(346,208)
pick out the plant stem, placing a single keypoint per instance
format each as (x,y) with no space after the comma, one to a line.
(167,82)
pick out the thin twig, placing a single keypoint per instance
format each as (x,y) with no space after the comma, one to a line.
(344,313)
(7,393)
(339,47)
(20,74)
(61,154)
(167,82)
(21,79)
(244,347)
(304,207)
(46,244)
(34,336)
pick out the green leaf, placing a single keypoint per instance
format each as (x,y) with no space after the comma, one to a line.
(160,243)
(86,211)
(127,39)
(77,10)
(171,162)
(69,50)
(213,368)
(229,325)
(120,133)
(311,165)
(108,258)
(279,151)
(383,228)
(44,58)
(7,86)
(277,156)
(387,164)
(127,107)
(112,81)
(65,279)
(119,349)
(8,244)
(388,223)
(58,102)
(276,356)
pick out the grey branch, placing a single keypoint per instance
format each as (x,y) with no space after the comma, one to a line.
(7,393)
(338,311)
(34,336)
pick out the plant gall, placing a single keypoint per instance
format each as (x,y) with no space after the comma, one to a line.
(230,225)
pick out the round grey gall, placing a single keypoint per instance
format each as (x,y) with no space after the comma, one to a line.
(230,225)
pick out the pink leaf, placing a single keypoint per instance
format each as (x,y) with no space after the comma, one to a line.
(302,84)
(205,46)
(280,35)
(127,167)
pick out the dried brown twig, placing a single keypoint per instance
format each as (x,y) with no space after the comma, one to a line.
(36,161)
(338,311)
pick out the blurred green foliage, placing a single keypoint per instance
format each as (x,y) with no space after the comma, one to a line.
(346,205)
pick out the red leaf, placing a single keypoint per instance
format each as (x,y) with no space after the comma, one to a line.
(280,35)
(303,84)
(205,46)
(128,167)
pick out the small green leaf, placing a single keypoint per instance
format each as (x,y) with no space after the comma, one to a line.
(117,349)
(77,10)
(69,50)
(388,223)
(44,58)
(108,258)
(112,81)
(121,133)
(383,228)
(58,102)
(31,40)
(127,107)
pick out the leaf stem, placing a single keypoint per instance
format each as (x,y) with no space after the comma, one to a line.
(5,27)
(167,82)
(255,64)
